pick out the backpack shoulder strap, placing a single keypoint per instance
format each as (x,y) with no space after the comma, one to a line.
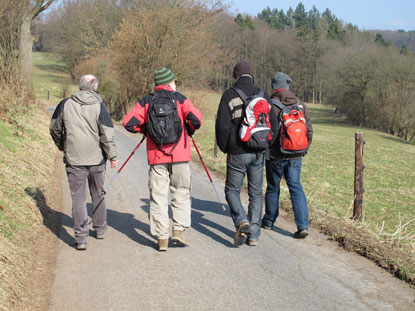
(298,103)
(241,93)
(277,103)
(152,95)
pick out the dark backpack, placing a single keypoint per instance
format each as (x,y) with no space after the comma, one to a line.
(293,129)
(255,128)
(164,125)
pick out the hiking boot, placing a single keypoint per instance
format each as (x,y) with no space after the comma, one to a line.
(301,234)
(162,245)
(253,242)
(178,238)
(242,233)
(101,236)
(80,246)
(266,227)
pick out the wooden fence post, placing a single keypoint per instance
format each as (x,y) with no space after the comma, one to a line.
(358,177)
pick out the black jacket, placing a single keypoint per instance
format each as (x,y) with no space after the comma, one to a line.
(230,116)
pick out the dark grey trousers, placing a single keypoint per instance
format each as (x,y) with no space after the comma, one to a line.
(78,178)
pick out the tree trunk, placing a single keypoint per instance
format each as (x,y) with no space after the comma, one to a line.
(25,53)
(26,40)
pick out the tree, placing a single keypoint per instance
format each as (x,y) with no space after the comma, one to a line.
(382,41)
(405,49)
(244,22)
(300,16)
(173,34)
(10,12)
(82,29)
(33,9)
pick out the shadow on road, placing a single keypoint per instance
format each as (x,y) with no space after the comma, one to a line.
(199,221)
(205,226)
(282,231)
(55,221)
(133,228)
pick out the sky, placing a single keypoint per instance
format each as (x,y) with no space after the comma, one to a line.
(365,14)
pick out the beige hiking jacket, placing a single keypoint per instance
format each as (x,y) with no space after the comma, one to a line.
(82,128)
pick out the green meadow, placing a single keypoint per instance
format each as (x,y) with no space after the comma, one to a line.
(50,77)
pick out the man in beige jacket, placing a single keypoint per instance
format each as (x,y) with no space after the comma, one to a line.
(82,128)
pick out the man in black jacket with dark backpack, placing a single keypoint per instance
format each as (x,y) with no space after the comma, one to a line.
(241,159)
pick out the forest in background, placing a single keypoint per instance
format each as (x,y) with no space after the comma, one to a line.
(362,74)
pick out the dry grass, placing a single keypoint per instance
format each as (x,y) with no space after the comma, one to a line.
(385,250)
(25,163)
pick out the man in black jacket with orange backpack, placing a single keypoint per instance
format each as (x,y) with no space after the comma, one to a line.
(282,164)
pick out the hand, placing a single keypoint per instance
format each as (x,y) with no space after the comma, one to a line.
(190,132)
(114,163)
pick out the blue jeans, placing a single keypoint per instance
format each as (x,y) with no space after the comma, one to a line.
(291,169)
(237,166)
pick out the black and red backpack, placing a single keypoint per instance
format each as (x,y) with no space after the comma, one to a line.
(255,128)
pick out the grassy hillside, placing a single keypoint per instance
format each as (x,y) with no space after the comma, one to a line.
(328,181)
(26,162)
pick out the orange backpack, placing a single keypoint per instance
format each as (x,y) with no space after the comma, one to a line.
(293,130)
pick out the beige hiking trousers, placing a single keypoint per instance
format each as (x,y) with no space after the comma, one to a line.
(162,177)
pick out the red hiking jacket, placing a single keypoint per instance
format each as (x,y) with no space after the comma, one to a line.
(136,120)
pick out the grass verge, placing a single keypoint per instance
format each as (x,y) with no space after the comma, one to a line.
(25,165)
(387,233)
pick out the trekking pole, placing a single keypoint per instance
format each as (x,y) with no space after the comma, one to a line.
(104,191)
(207,172)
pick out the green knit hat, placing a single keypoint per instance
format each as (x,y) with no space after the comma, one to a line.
(163,76)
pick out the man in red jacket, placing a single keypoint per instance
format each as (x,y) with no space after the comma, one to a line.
(169,163)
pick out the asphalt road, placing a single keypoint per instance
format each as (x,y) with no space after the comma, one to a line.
(126,272)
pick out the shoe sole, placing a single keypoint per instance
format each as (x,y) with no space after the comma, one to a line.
(80,247)
(266,227)
(100,237)
(179,242)
(240,239)
(253,243)
(301,235)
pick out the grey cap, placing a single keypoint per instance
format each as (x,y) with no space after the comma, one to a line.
(280,81)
